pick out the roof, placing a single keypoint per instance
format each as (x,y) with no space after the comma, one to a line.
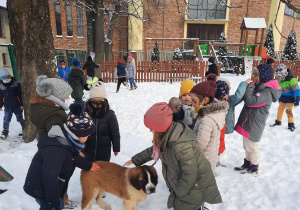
(253,23)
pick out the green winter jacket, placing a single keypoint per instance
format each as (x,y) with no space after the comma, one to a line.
(186,171)
(77,80)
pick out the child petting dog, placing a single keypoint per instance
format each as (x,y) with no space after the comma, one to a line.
(57,156)
(186,171)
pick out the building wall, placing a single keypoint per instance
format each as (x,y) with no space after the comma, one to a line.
(64,41)
(8,66)
(120,37)
(6,39)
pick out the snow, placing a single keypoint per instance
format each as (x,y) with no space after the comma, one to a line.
(3,3)
(277,186)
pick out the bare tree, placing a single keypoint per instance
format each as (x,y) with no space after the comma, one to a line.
(34,49)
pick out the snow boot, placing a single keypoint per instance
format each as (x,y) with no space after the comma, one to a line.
(246,165)
(135,87)
(2,191)
(253,168)
(277,123)
(4,134)
(291,126)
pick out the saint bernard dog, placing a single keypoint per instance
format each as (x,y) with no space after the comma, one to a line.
(130,184)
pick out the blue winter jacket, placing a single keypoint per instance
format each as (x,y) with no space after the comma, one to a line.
(233,101)
(10,94)
(63,75)
(121,72)
(52,166)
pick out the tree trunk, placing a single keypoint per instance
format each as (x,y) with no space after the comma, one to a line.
(108,51)
(34,49)
(90,18)
(99,36)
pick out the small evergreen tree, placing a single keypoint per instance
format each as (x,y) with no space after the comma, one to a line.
(290,49)
(223,51)
(269,43)
(155,53)
(177,54)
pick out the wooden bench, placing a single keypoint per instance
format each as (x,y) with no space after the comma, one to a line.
(196,79)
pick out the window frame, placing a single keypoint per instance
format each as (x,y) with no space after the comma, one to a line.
(79,12)
(288,11)
(197,8)
(69,22)
(58,22)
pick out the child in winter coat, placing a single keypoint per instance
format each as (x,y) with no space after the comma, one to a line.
(186,171)
(107,135)
(212,68)
(131,72)
(187,112)
(63,71)
(251,123)
(210,119)
(11,99)
(77,81)
(90,66)
(47,108)
(121,74)
(222,94)
(54,163)
(290,95)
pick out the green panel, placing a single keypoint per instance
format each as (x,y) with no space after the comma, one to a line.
(250,50)
(204,48)
(13,61)
(68,55)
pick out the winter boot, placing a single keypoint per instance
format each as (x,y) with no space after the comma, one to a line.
(246,165)
(2,191)
(4,134)
(135,87)
(253,168)
(277,123)
(291,126)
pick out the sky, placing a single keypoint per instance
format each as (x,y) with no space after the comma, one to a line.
(277,187)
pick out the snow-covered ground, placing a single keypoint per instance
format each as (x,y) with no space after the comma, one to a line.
(277,187)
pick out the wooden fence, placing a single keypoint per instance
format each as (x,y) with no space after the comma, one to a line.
(292,65)
(147,71)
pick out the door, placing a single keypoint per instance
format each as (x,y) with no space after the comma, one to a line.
(205,31)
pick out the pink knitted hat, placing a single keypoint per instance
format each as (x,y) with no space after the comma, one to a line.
(159,117)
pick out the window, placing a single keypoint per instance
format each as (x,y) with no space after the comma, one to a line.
(206,9)
(288,11)
(1,31)
(298,15)
(79,22)
(69,20)
(4,59)
(58,20)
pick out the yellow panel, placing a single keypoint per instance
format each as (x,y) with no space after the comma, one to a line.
(135,27)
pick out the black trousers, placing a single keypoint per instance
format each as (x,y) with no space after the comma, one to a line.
(121,80)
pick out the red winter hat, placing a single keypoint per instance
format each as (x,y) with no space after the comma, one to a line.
(206,88)
(120,61)
(159,117)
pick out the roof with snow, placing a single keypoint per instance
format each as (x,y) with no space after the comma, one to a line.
(253,23)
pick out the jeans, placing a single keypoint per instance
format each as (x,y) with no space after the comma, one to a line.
(132,83)
(45,206)
(8,112)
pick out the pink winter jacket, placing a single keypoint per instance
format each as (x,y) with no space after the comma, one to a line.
(208,128)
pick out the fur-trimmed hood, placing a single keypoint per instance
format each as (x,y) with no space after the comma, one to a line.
(76,71)
(217,112)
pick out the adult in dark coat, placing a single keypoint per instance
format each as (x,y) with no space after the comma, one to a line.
(107,135)
(90,66)
(54,163)
(212,68)
(77,81)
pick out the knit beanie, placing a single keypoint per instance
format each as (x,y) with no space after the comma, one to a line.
(281,71)
(4,73)
(97,90)
(211,59)
(186,86)
(206,88)
(265,73)
(222,89)
(129,58)
(76,62)
(159,117)
(58,88)
(79,122)
(120,61)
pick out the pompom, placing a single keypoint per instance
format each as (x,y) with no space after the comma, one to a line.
(40,78)
(175,104)
(76,108)
(212,77)
(43,88)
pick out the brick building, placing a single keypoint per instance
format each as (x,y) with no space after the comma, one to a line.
(207,19)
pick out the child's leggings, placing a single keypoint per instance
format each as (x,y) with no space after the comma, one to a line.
(281,109)
(251,150)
